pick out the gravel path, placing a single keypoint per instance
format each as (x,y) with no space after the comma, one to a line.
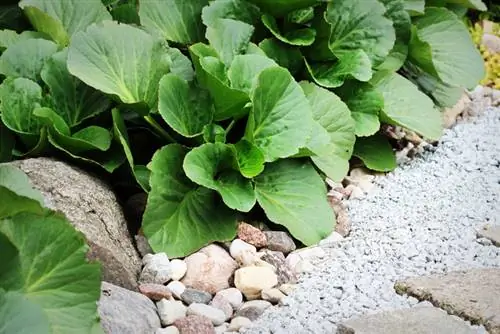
(420,219)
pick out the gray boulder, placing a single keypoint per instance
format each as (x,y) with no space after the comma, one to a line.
(93,209)
(126,312)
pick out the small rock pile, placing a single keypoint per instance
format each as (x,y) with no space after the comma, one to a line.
(224,288)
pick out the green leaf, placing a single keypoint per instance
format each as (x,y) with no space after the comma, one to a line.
(442,46)
(406,106)
(474,4)
(19,315)
(211,74)
(292,194)
(126,13)
(181,217)
(61,20)
(238,10)
(121,60)
(177,20)
(299,37)
(280,120)
(181,65)
(334,116)
(301,16)
(229,38)
(249,158)
(285,55)
(332,75)
(211,166)
(365,103)
(282,7)
(414,7)
(213,133)
(7,142)
(376,153)
(19,98)
(26,58)
(402,24)
(17,193)
(245,69)
(11,37)
(52,271)
(187,110)
(71,98)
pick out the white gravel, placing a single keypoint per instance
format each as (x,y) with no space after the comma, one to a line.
(421,219)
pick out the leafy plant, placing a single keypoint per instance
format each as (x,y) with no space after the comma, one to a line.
(251,102)
(46,284)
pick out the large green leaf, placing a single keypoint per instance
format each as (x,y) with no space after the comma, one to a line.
(365,103)
(181,65)
(229,38)
(17,193)
(181,217)
(406,106)
(70,98)
(11,37)
(285,55)
(121,60)
(212,75)
(19,315)
(442,46)
(245,69)
(402,24)
(19,98)
(474,4)
(26,58)
(239,10)
(280,121)
(282,7)
(249,158)
(212,166)
(376,153)
(293,195)
(51,270)
(333,74)
(62,19)
(334,116)
(356,25)
(414,7)
(187,110)
(177,20)
(300,36)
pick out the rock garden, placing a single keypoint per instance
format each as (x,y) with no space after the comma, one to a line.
(219,166)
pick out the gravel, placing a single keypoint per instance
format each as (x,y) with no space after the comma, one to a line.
(420,219)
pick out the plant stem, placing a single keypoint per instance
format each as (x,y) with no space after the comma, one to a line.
(230,126)
(159,130)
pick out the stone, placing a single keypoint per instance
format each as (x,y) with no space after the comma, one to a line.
(280,241)
(170,311)
(238,323)
(278,261)
(343,225)
(209,269)
(244,253)
(274,295)
(253,309)
(492,233)
(473,294)
(214,314)
(167,330)
(194,324)
(222,329)
(332,239)
(304,266)
(156,269)
(179,268)
(155,292)
(450,115)
(252,280)
(251,235)
(142,245)
(190,296)
(360,177)
(354,191)
(232,295)
(93,209)
(307,254)
(491,42)
(288,289)
(125,311)
(419,320)
(177,288)
(222,304)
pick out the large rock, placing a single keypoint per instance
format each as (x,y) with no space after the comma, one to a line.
(419,320)
(93,209)
(473,295)
(209,269)
(492,233)
(252,280)
(126,312)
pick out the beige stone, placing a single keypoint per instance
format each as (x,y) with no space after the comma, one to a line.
(252,280)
